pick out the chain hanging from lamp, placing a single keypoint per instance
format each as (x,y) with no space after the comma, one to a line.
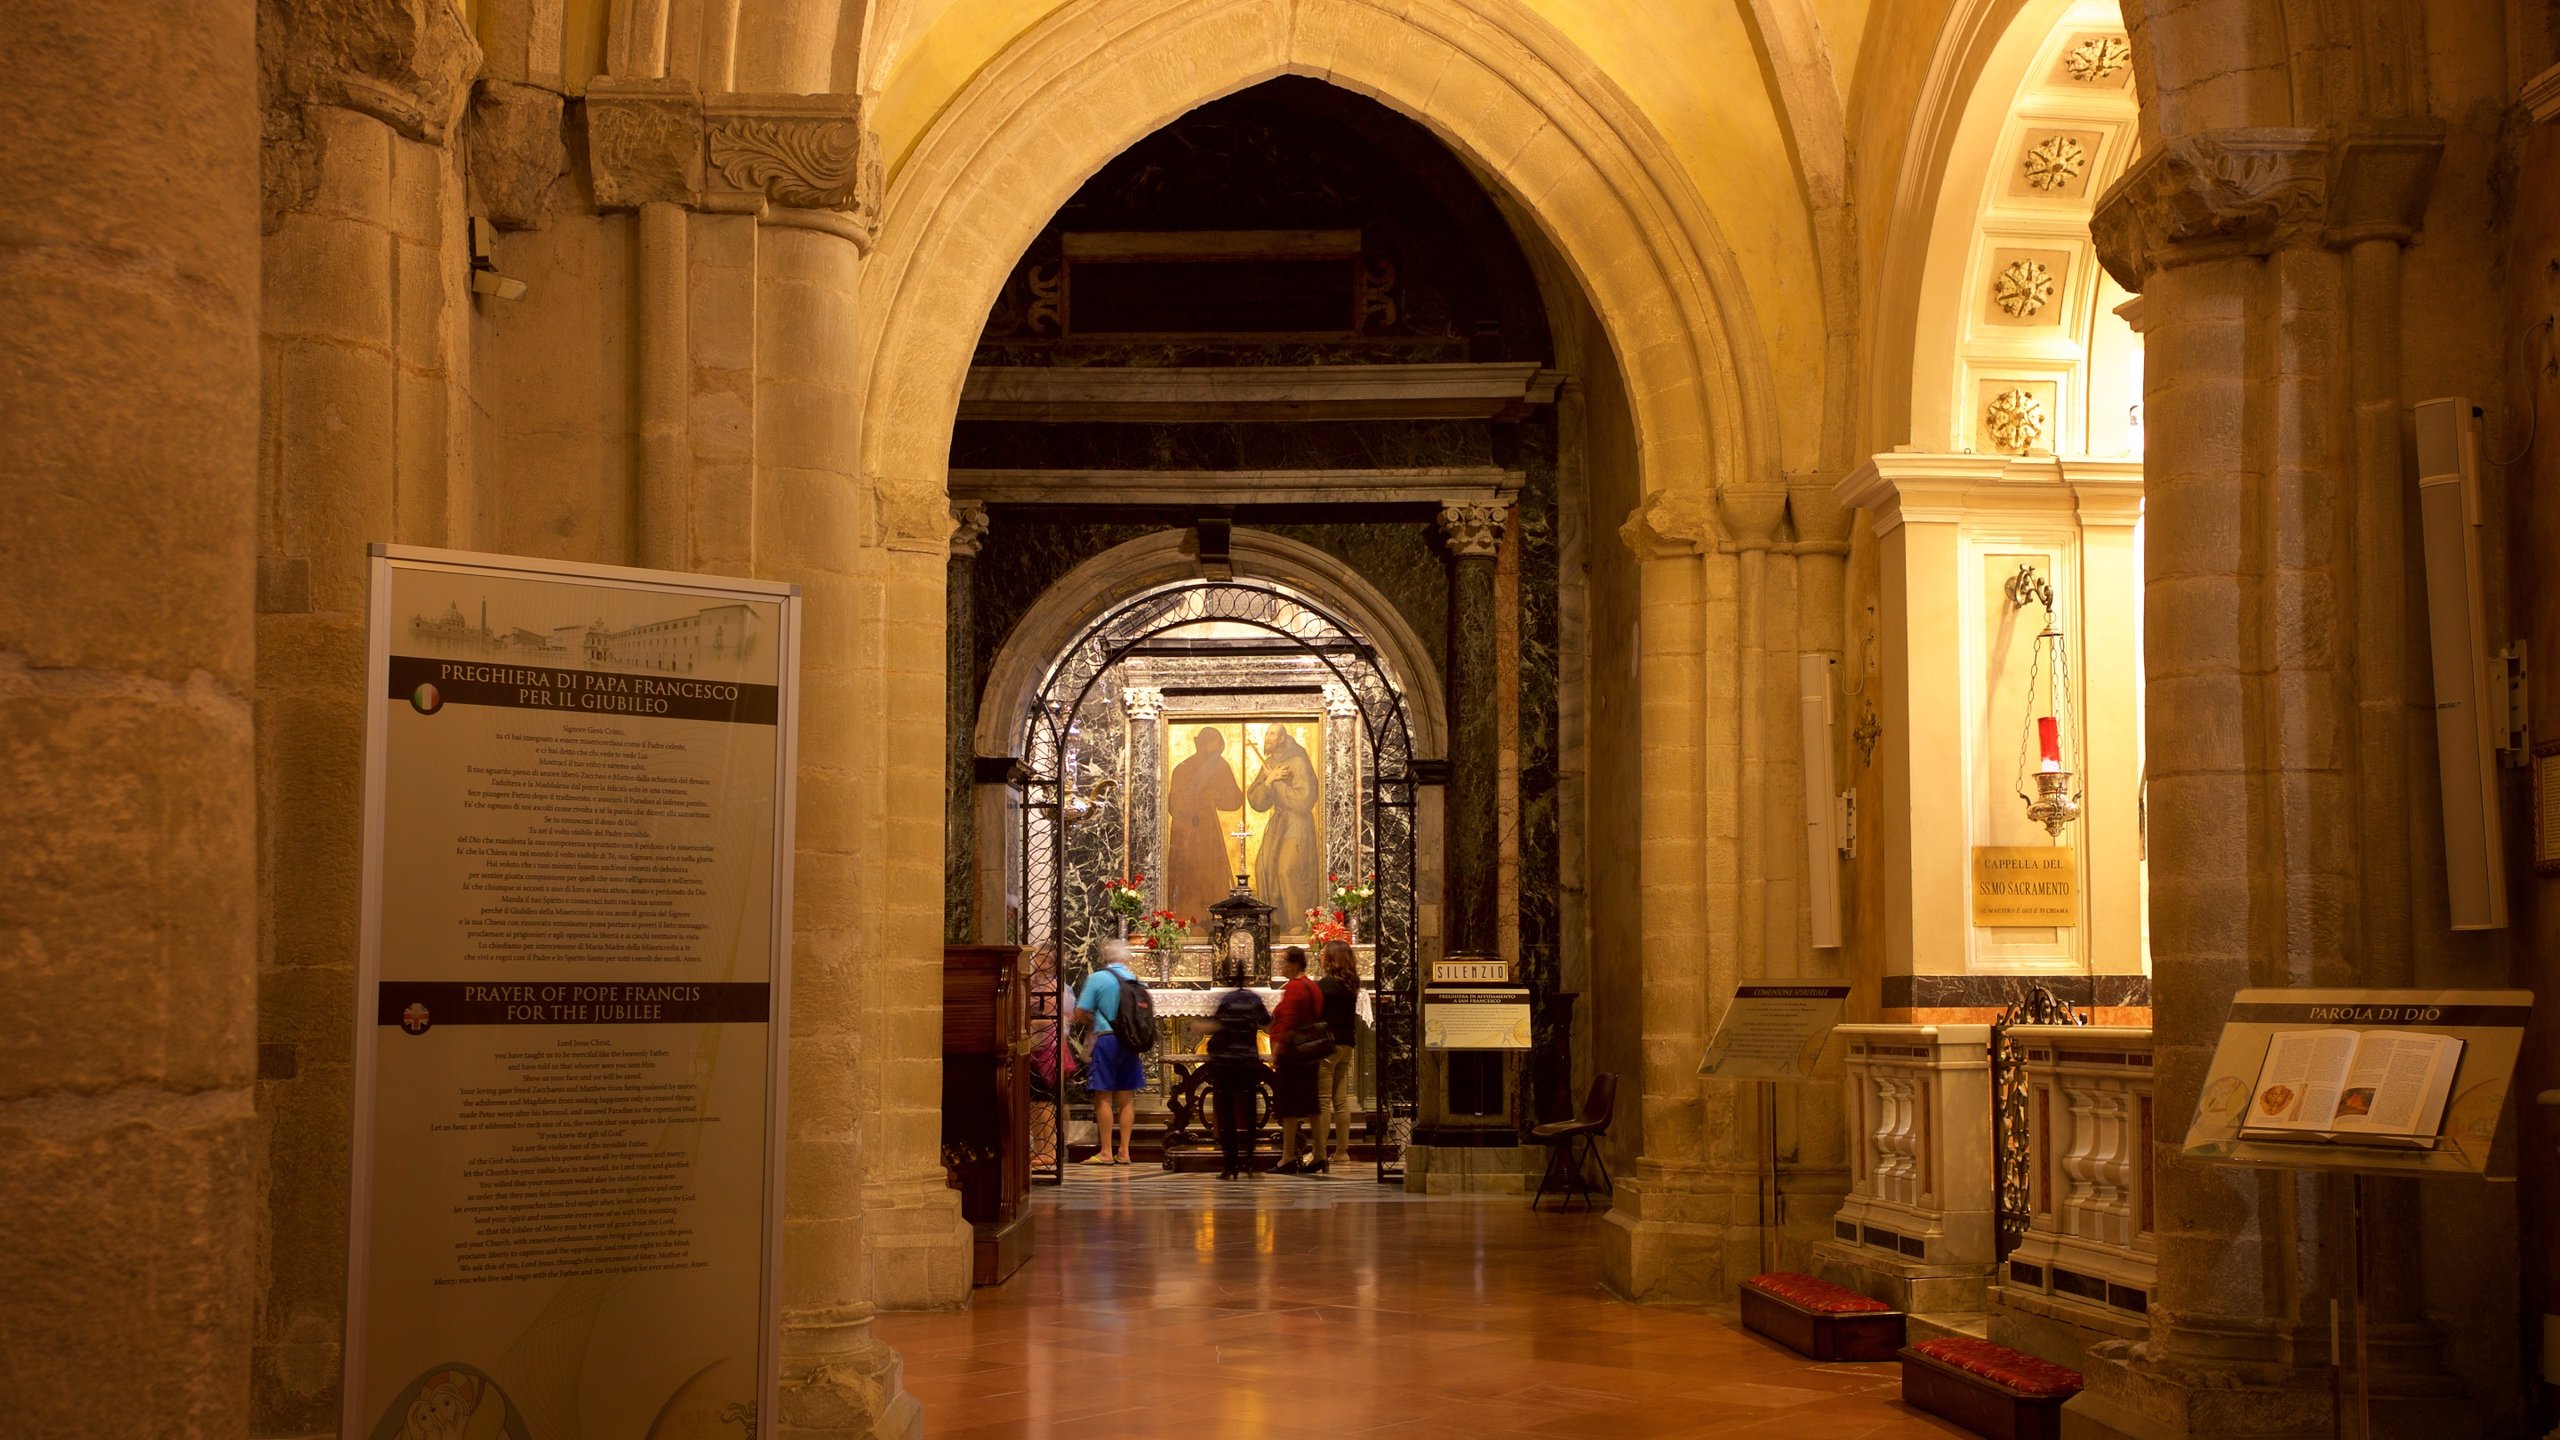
(2051,739)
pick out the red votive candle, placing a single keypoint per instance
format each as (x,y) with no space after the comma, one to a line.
(2049,737)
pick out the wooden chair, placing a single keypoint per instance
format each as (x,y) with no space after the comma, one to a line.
(1587,1129)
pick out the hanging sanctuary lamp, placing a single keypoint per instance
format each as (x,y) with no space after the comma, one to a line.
(2050,740)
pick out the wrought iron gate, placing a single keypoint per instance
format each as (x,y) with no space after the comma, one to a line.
(2012,1129)
(1058,905)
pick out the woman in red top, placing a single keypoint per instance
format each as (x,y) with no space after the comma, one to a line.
(1299,1042)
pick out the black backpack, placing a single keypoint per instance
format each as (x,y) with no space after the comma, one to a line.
(1133,1020)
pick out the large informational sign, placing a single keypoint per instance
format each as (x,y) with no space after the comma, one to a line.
(566,1202)
(1774,1031)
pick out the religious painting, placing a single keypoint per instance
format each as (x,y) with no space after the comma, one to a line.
(1243,795)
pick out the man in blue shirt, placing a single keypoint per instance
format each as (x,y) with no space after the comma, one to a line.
(1112,1073)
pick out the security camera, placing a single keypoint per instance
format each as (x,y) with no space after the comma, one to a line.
(485,279)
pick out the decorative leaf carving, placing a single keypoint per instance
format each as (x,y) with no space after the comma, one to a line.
(813,162)
(1048,286)
(1377,295)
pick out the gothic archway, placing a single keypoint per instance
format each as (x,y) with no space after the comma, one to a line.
(1059,904)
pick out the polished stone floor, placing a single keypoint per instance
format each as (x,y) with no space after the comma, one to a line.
(1163,1306)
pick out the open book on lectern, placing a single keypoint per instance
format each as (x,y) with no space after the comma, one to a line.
(2353,1087)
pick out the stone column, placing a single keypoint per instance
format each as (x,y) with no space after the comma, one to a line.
(1343,785)
(129,275)
(1474,537)
(960,750)
(1142,805)
(1664,1235)
(364,346)
(867,1220)
(2257,651)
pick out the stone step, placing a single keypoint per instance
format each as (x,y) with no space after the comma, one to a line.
(1932,1327)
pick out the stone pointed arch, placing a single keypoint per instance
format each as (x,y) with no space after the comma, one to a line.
(1492,79)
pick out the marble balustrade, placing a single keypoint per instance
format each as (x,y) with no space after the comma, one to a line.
(1918,1113)
(2091,1127)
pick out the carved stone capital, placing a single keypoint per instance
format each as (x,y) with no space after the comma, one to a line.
(1665,527)
(807,152)
(1338,701)
(2257,191)
(407,63)
(1143,702)
(1473,532)
(644,142)
(2380,176)
(914,518)
(1818,514)
(808,160)
(968,529)
(1751,515)
(2217,194)
(517,158)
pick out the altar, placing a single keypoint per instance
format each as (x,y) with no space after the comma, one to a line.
(1174,1110)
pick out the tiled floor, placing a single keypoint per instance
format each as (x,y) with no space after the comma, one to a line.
(1165,1306)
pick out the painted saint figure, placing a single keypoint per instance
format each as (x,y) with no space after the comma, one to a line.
(1198,872)
(1288,869)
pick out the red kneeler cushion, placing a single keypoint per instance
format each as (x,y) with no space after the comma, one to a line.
(1819,1296)
(2025,1374)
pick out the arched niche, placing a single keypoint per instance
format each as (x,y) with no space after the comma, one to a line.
(1070,607)
(2005,78)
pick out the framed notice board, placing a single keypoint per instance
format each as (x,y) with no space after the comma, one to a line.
(571,1001)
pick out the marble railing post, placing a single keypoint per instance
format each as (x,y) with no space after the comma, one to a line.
(1474,536)
(128,787)
(960,748)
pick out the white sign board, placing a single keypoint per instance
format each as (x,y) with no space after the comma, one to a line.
(570,1003)
(1774,1031)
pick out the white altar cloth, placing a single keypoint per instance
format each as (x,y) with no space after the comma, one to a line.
(1202,1003)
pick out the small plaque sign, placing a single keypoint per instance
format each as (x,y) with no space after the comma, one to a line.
(1774,1031)
(1471,972)
(2025,885)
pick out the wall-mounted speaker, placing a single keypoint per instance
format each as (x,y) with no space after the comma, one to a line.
(2471,704)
